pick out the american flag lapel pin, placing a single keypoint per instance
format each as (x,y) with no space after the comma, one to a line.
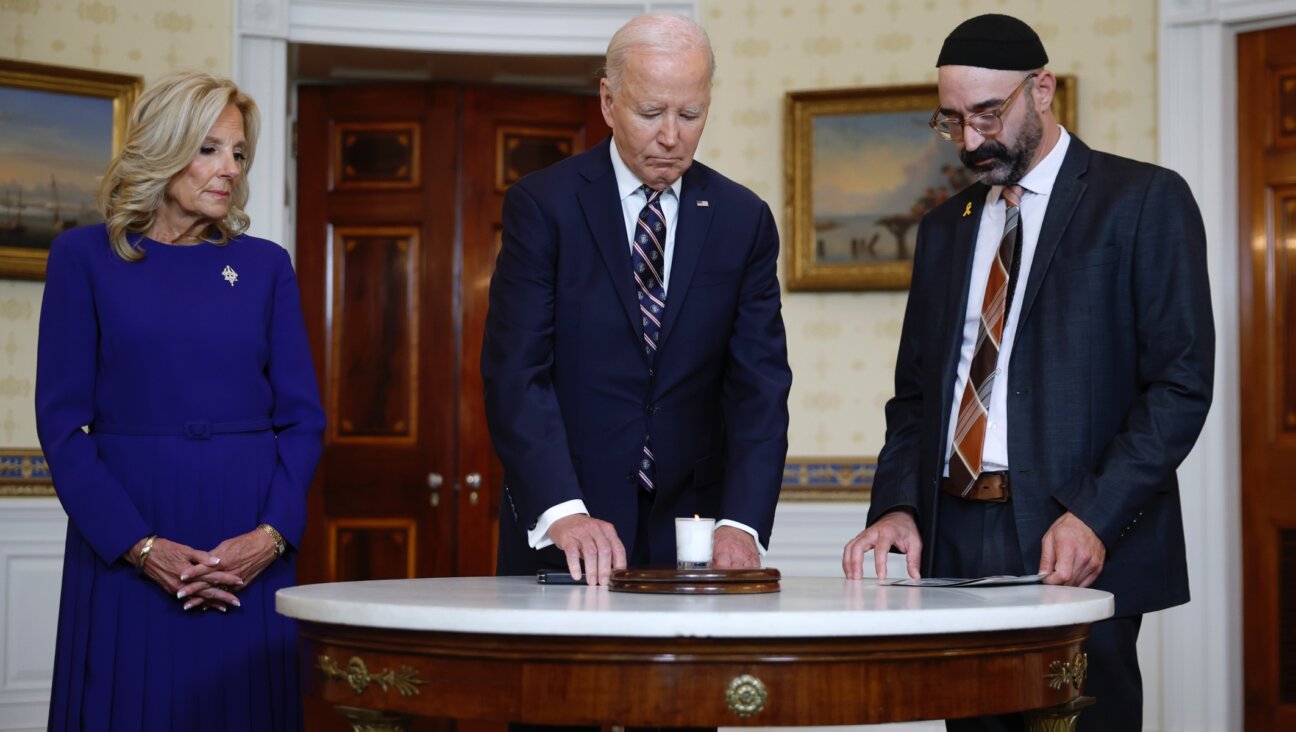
(703,204)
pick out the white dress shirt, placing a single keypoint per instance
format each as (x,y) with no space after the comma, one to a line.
(633,198)
(1037,186)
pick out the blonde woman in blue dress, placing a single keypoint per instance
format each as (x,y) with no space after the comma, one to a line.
(178,340)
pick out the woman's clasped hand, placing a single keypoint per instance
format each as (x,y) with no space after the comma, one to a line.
(202,579)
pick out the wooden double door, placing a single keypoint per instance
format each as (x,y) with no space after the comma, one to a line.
(1267,339)
(398,227)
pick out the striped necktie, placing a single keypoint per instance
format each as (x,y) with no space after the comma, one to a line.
(969,431)
(648,259)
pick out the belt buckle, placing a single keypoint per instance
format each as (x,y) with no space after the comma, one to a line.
(1002,483)
(197,430)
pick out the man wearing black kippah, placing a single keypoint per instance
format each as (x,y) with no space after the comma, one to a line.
(1054,369)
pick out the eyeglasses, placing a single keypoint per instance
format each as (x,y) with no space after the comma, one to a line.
(987,124)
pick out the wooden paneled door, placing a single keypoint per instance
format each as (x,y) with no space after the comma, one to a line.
(398,225)
(1267,264)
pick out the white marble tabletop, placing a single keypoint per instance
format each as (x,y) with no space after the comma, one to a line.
(806,607)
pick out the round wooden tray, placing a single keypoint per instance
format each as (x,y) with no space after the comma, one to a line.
(696,581)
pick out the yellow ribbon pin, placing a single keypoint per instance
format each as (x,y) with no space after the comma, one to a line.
(967,211)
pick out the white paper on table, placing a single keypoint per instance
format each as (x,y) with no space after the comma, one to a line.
(1002,579)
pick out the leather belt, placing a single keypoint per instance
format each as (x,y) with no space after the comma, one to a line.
(988,488)
(192,430)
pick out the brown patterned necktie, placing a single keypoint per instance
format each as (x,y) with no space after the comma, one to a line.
(969,431)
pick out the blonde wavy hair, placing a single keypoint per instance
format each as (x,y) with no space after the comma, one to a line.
(166,131)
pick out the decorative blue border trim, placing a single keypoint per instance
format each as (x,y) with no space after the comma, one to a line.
(24,472)
(828,478)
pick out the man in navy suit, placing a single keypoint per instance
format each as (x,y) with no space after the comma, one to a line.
(1054,368)
(635,362)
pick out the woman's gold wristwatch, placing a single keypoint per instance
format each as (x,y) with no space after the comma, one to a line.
(278,538)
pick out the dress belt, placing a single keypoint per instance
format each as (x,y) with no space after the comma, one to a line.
(192,430)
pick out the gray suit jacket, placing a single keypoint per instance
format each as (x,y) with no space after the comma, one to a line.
(1111,372)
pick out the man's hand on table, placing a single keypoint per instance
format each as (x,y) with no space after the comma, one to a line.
(896,529)
(586,539)
(733,548)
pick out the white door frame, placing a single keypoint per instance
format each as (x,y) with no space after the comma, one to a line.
(264,28)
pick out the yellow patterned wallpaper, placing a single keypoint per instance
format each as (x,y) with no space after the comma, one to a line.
(145,37)
(842,346)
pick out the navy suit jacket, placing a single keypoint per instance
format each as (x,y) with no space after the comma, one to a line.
(1111,372)
(569,395)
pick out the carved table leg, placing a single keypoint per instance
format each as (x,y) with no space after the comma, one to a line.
(369,720)
(1057,719)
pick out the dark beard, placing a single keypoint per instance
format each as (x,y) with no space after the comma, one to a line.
(1009,165)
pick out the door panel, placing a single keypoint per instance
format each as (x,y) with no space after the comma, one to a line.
(372,549)
(375,251)
(1267,288)
(373,366)
(369,155)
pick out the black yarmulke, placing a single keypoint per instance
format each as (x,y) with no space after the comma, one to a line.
(993,42)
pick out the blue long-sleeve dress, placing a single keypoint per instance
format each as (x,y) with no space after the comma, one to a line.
(192,371)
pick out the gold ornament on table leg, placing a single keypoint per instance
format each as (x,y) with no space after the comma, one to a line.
(1057,719)
(405,680)
(1062,673)
(369,720)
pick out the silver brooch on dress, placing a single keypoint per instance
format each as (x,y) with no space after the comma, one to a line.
(230,275)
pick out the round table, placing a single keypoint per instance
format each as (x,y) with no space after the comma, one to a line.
(819,652)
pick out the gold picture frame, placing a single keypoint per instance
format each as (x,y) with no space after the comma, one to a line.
(54,125)
(880,168)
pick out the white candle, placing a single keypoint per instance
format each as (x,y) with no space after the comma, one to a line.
(693,542)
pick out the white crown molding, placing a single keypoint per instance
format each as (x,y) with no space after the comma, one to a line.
(267,18)
(1184,12)
(1253,11)
(1210,12)
(568,27)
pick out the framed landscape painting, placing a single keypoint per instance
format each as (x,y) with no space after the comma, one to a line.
(59,128)
(863,167)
